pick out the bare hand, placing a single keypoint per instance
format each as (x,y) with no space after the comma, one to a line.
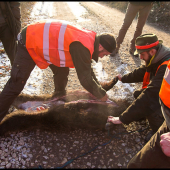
(165,143)
(103,99)
(119,77)
(114,120)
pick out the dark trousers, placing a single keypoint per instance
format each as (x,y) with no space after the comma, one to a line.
(131,12)
(60,75)
(156,118)
(9,42)
(151,155)
(21,70)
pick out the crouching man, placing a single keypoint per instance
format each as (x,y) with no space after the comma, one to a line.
(59,45)
(156,153)
(146,105)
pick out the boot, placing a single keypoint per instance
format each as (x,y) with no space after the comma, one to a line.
(59,94)
(131,51)
(117,48)
(115,51)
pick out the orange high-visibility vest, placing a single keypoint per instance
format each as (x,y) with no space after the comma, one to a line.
(164,93)
(48,42)
(146,78)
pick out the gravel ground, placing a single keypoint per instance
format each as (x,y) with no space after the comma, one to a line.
(78,148)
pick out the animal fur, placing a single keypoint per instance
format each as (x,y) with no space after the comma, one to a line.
(73,113)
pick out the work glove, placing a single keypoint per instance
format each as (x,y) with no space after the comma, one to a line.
(108,85)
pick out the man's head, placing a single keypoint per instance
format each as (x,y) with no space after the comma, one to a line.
(146,46)
(107,44)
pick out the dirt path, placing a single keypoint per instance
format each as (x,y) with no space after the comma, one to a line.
(113,18)
(29,149)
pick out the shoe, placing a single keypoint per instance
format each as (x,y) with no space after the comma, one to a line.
(115,51)
(117,48)
(149,135)
(131,51)
(58,94)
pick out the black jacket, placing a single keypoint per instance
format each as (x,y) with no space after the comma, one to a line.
(82,62)
(10,15)
(148,101)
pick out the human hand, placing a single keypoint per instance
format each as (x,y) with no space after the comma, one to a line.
(103,99)
(165,143)
(119,77)
(114,120)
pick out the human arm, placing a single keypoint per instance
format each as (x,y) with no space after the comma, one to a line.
(95,79)
(82,62)
(165,143)
(134,76)
(147,102)
(103,99)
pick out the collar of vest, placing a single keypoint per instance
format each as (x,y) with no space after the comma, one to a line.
(153,67)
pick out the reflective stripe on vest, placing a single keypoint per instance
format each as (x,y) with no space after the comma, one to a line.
(146,78)
(48,42)
(61,44)
(164,93)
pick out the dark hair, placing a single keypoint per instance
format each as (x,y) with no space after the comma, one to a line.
(107,40)
(157,47)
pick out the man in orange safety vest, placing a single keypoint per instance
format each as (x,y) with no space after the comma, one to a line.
(59,45)
(156,153)
(146,105)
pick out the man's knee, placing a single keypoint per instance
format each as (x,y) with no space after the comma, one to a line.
(156,119)
(18,78)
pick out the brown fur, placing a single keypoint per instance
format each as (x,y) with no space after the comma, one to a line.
(80,114)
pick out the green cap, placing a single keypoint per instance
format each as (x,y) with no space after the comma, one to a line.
(146,42)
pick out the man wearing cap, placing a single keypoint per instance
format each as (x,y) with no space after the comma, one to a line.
(146,105)
(158,147)
(59,45)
